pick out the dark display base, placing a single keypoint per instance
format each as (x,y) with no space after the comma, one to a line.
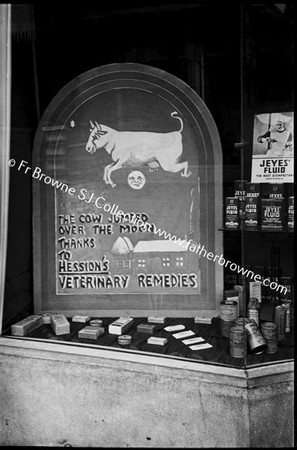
(218,354)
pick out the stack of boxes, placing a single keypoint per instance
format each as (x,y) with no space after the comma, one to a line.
(265,206)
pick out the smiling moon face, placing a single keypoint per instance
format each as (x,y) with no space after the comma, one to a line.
(136,179)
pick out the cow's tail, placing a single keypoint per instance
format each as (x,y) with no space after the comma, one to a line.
(175,116)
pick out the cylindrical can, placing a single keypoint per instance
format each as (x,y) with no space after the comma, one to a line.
(280,320)
(287,305)
(96,322)
(242,320)
(255,339)
(237,342)
(269,330)
(272,345)
(228,312)
(125,339)
(226,327)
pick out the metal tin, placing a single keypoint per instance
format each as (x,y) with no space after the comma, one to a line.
(242,321)
(280,320)
(125,339)
(96,322)
(228,312)
(272,345)
(269,330)
(255,339)
(226,327)
(237,342)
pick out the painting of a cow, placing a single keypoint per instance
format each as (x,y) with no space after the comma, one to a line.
(136,148)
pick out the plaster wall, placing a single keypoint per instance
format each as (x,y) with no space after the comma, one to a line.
(52,395)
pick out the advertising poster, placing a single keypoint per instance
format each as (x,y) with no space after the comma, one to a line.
(273,148)
(138,164)
(124,191)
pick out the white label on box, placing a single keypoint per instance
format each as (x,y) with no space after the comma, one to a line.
(175,328)
(183,334)
(157,340)
(122,320)
(81,319)
(120,325)
(255,290)
(200,346)
(206,320)
(156,319)
(195,340)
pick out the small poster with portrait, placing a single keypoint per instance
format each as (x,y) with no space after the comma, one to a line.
(273,148)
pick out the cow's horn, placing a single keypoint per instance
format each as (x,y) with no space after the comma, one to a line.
(92,125)
(98,125)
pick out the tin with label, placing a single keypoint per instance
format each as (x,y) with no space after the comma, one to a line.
(269,330)
(280,320)
(237,342)
(242,321)
(125,339)
(228,313)
(255,339)
(272,345)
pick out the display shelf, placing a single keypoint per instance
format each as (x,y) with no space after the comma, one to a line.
(258,230)
(218,354)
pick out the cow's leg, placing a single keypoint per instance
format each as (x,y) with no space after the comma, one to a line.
(111,168)
(178,167)
(105,173)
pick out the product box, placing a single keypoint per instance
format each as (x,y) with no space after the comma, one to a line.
(230,278)
(240,193)
(146,328)
(60,324)
(121,325)
(231,212)
(253,190)
(272,213)
(90,332)
(156,319)
(273,190)
(46,318)
(174,328)
(195,340)
(183,334)
(201,346)
(157,340)
(81,319)
(230,294)
(26,325)
(201,319)
(251,212)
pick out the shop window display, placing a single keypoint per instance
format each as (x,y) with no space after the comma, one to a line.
(124,155)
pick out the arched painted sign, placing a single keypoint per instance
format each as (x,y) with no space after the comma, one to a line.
(127,174)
